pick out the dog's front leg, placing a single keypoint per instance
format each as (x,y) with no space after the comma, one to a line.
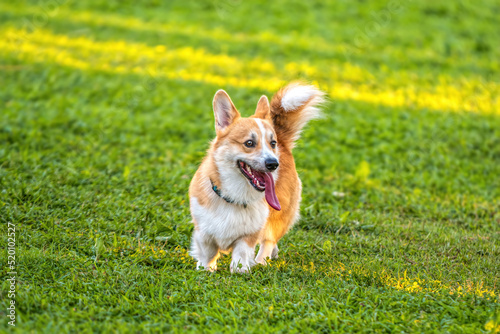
(243,253)
(205,250)
(268,249)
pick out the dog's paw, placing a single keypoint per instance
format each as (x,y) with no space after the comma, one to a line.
(207,268)
(239,268)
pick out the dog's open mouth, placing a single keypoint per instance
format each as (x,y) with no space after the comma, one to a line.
(256,178)
(261,181)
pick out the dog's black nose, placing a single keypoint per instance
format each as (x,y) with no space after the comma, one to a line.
(272,164)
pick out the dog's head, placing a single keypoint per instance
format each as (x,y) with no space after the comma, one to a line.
(246,150)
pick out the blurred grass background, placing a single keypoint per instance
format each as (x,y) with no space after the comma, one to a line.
(106,113)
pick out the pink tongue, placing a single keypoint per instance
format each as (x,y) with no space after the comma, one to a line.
(271,197)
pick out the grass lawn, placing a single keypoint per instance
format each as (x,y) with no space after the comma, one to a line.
(105,114)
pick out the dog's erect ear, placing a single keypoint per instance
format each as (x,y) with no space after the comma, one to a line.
(263,109)
(224,110)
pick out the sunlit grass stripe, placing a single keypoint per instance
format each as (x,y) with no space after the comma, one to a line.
(134,53)
(95,18)
(342,50)
(192,64)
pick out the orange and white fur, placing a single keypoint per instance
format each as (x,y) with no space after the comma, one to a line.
(247,191)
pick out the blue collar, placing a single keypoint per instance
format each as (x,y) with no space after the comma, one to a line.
(217,191)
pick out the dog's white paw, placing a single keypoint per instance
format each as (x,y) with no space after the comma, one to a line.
(200,266)
(239,268)
(242,270)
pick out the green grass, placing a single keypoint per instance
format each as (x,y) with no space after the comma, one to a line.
(99,140)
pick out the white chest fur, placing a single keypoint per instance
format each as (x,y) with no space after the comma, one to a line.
(227,222)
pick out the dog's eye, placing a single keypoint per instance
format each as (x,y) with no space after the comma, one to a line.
(249,143)
(273,143)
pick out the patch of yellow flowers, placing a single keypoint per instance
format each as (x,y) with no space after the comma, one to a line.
(178,253)
(405,283)
(492,326)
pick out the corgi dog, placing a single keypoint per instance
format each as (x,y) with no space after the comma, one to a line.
(247,191)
